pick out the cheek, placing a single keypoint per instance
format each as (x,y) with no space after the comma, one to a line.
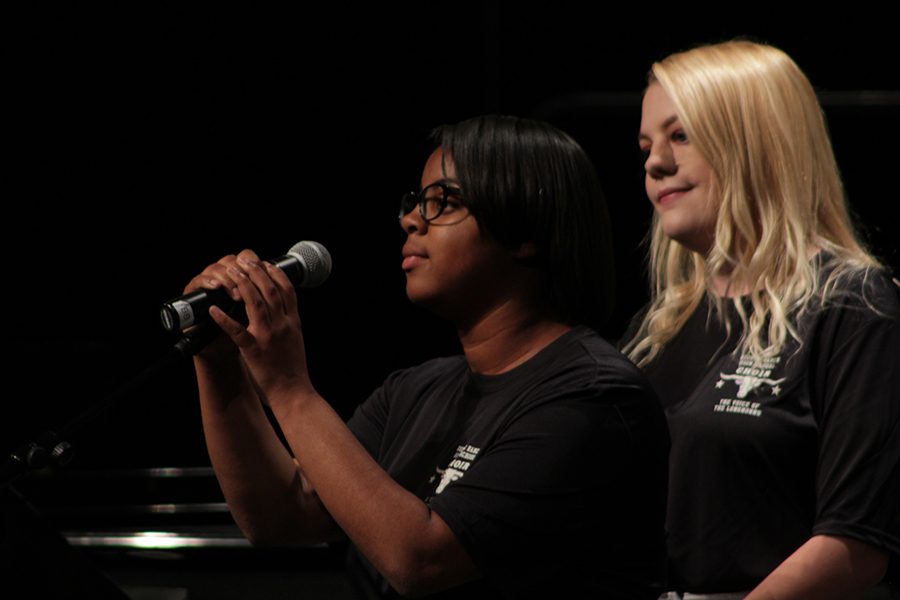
(650,188)
(712,200)
(712,214)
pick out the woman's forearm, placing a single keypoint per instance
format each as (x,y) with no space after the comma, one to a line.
(260,481)
(825,567)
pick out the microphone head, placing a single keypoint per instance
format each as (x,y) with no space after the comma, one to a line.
(316,262)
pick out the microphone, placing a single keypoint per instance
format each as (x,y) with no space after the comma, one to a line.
(307,264)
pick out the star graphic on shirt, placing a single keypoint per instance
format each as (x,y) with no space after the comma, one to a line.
(719,384)
(776,390)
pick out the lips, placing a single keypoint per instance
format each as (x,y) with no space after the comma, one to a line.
(413,257)
(670,194)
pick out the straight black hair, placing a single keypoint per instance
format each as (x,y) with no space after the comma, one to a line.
(527,182)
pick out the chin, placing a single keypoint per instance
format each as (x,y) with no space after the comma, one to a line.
(689,237)
(698,244)
(430,301)
(417,294)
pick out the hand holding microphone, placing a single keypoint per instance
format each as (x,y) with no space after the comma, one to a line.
(306,264)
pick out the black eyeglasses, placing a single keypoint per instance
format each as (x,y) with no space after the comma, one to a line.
(434,201)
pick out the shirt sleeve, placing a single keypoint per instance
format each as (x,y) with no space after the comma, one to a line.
(370,418)
(857,379)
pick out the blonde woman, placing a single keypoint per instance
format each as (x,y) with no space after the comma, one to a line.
(771,337)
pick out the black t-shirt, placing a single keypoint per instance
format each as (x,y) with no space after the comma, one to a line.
(766,454)
(552,475)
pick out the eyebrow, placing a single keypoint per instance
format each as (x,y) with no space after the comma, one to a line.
(666,123)
(445,181)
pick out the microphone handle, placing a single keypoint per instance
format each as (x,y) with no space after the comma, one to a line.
(292,267)
(193,309)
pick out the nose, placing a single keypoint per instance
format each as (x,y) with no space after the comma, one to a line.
(412,222)
(661,161)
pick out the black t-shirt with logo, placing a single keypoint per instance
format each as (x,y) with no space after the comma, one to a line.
(766,454)
(552,475)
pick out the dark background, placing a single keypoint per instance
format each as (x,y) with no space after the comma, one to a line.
(142,143)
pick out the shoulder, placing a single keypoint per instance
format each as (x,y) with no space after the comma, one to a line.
(401,394)
(854,303)
(590,377)
(594,402)
(435,367)
(853,330)
(426,374)
(595,362)
(867,289)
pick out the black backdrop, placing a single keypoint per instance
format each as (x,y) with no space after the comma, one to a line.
(143,142)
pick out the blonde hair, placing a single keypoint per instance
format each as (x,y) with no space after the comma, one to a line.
(753,115)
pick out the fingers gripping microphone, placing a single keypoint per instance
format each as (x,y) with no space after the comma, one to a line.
(307,264)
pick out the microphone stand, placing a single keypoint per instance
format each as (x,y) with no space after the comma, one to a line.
(29,544)
(52,448)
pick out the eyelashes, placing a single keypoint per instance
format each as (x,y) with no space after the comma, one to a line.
(678,136)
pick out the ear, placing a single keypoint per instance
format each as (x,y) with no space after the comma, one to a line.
(524,251)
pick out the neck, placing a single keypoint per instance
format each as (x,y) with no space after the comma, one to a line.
(722,285)
(505,337)
(726,286)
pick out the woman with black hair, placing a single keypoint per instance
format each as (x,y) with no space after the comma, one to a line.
(534,463)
